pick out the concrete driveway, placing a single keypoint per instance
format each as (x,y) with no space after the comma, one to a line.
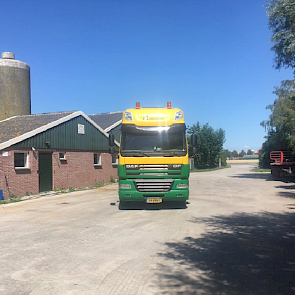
(237,236)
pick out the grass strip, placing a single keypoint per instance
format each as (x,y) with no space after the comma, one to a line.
(210,169)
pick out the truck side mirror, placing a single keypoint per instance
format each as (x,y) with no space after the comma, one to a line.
(111,140)
(194,140)
(111,150)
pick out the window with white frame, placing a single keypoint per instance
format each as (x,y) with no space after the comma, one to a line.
(21,160)
(97,159)
(62,156)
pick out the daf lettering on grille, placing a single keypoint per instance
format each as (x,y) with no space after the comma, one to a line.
(176,166)
(131,166)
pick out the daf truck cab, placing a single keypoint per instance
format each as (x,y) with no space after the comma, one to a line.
(153,157)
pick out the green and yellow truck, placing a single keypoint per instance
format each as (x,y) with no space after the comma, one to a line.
(153,157)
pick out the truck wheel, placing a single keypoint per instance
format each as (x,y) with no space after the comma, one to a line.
(122,205)
(275,174)
(181,205)
(275,177)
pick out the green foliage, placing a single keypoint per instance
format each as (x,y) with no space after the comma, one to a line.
(235,154)
(61,190)
(98,185)
(281,124)
(210,169)
(11,200)
(242,153)
(14,198)
(223,158)
(281,14)
(249,152)
(261,170)
(209,147)
(228,154)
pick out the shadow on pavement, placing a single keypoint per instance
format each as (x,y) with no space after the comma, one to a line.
(145,206)
(287,195)
(265,176)
(243,254)
(286,186)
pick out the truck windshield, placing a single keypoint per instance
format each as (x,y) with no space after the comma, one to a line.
(153,141)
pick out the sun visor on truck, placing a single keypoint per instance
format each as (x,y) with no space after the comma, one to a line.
(133,129)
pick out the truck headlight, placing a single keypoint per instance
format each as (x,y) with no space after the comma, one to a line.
(128,116)
(125,186)
(178,116)
(182,185)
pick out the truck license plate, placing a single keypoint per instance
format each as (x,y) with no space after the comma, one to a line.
(153,200)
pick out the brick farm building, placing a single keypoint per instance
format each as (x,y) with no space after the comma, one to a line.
(50,151)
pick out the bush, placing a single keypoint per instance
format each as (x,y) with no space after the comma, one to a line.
(209,146)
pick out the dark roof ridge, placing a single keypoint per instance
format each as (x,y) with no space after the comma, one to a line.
(53,113)
(8,118)
(110,113)
(35,115)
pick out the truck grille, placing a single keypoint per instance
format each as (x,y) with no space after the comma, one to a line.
(153,185)
(153,167)
(160,169)
(152,170)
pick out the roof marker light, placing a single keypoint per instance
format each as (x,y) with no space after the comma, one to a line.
(137,105)
(169,105)
(178,116)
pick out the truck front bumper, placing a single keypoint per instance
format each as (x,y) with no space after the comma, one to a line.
(175,194)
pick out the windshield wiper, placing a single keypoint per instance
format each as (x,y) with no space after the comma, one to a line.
(135,153)
(173,153)
(141,154)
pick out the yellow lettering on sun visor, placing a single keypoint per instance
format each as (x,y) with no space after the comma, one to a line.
(152,117)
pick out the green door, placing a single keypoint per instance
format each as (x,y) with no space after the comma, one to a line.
(45,172)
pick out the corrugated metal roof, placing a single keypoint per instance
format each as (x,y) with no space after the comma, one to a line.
(107,120)
(16,126)
(69,135)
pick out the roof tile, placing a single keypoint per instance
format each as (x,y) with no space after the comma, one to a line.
(19,125)
(106,120)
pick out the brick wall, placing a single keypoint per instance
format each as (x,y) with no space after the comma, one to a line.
(78,170)
(18,182)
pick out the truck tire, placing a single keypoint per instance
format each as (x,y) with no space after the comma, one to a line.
(180,205)
(122,205)
(275,173)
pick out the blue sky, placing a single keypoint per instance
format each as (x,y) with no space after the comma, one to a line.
(210,58)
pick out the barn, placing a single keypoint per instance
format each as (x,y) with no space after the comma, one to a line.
(63,150)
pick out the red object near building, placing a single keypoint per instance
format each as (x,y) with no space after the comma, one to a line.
(282,165)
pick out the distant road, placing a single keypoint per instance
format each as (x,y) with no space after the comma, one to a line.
(244,161)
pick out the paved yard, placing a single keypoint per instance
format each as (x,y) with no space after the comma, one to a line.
(237,236)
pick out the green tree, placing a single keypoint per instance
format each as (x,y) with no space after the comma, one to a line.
(242,153)
(209,147)
(235,154)
(272,143)
(280,126)
(281,15)
(228,153)
(249,152)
